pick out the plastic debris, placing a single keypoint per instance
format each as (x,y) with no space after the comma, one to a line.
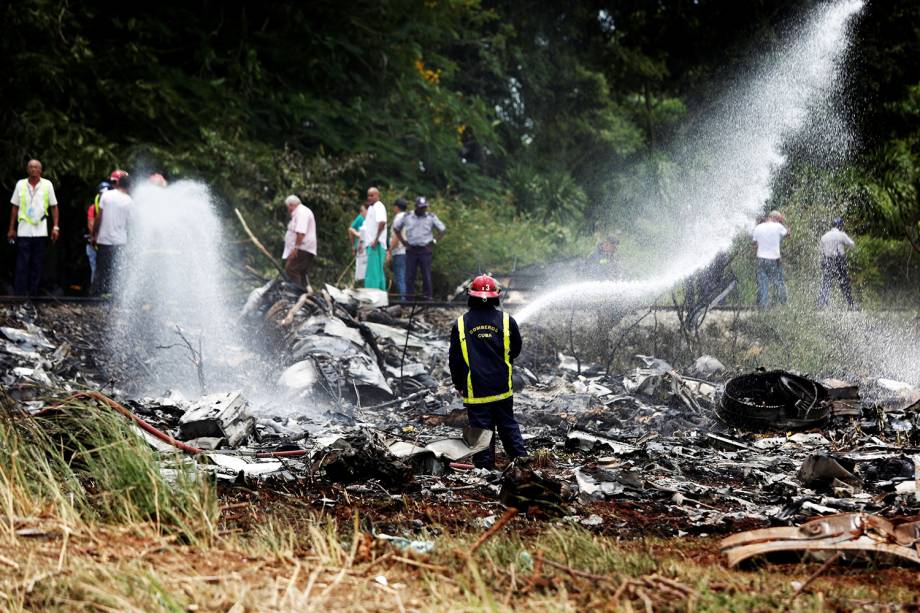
(416,546)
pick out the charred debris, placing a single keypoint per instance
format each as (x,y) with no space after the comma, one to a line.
(360,407)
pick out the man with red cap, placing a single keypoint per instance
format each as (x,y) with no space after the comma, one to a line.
(483,344)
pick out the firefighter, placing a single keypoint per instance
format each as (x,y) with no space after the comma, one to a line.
(483,344)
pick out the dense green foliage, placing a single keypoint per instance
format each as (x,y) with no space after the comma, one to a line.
(532,124)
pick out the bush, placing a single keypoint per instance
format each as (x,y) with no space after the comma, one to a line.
(884,267)
(489,237)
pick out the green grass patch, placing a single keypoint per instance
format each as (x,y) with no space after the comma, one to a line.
(82,463)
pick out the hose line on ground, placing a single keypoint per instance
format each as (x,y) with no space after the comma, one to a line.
(112,404)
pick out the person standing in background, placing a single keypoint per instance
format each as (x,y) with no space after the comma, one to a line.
(103,187)
(602,263)
(767,237)
(418,230)
(397,251)
(299,243)
(834,244)
(357,243)
(374,232)
(110,231)
(32,200)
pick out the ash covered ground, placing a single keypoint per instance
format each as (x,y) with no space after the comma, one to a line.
(351,412)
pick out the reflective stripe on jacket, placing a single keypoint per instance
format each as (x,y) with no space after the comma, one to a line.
(42,190)
(484,342)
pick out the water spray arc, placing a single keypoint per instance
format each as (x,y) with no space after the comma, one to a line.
(726,171)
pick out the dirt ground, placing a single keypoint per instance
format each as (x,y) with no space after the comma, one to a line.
(280,555)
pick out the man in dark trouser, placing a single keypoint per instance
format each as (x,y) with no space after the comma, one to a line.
(299,243)
(494,416)
(108,262)
(30,259)
(835,269)
(834,245)
(32,203)
(419,259)
(483,344)
(418,230)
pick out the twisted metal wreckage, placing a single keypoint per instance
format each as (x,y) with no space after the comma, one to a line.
(362,405)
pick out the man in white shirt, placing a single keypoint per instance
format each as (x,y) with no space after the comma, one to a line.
(767,238)
(32,200)
(374,232)
(834,244)
(110,232)
(299,243)
(397,251)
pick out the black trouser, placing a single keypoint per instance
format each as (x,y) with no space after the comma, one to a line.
(418,257)
(835,269)
(107,263)
(298,268)
(497,416)
(30,261)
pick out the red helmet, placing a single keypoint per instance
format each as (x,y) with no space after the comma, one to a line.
(484,286)
(116,175)
(157,179)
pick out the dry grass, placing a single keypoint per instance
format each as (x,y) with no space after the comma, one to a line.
(310,565)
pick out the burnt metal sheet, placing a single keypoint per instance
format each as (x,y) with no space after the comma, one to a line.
(774,400)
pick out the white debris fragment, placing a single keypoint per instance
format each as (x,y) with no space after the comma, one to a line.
(366,296)
(254,298)
(37,375)
(397,335)
(299,376)
(898,387)
(31,337)
(485,522)
(336,327)
(707,366)
(248,466)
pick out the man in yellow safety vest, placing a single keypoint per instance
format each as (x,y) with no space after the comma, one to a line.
(484,342)
(33,198)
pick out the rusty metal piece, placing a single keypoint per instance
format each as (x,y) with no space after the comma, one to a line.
(907,533)
(837,533)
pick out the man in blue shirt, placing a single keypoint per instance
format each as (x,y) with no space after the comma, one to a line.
(418,230)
